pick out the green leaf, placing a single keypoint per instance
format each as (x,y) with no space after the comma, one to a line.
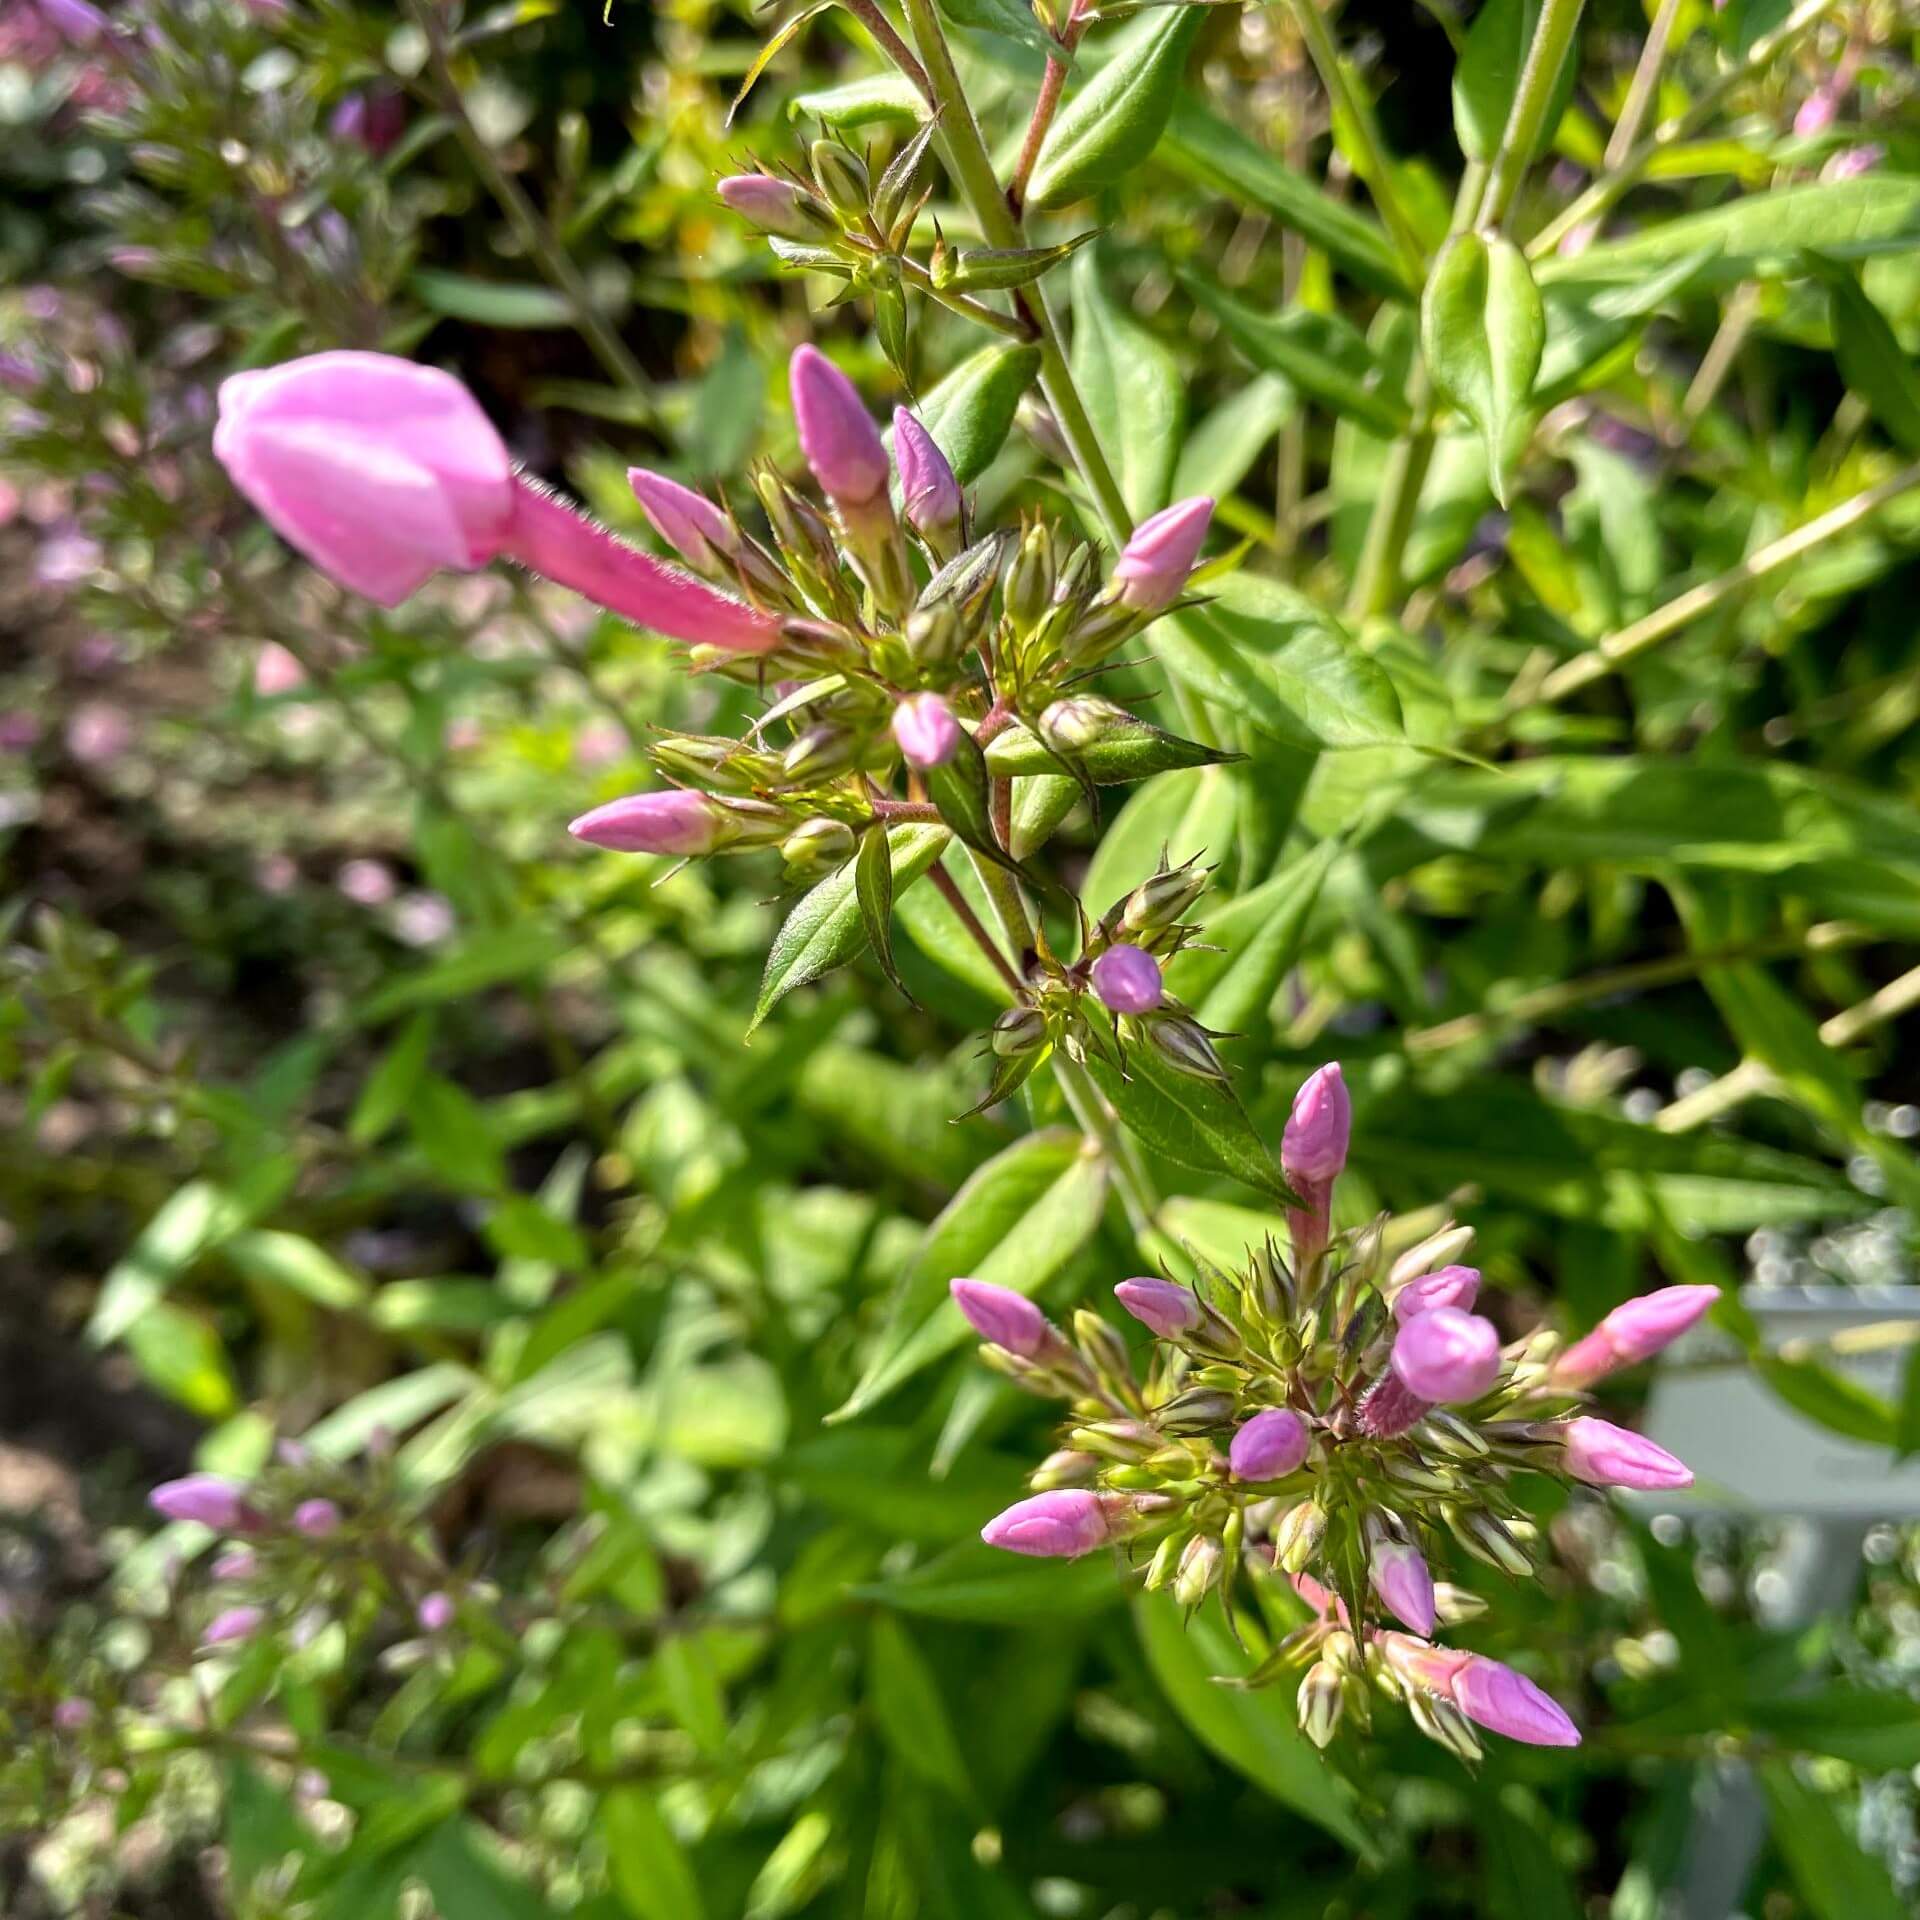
(873,887)
(1016,1223)
(694,1693)
(488,960)
(1196,1123)
(1252,1731)
(961,788)
(490,303)
(1872,361)
(1487,75)
(882,99)
(1830,1399)
(388,1088)
(970,412)
(1875,1731)
(1216,155)
(1906,1436)
(450,1127)
(825,930)
(1261,932)
(181,1355)
(912,1717)
(287,1260)
(1127,751)
(465,1873)
(1133,391)
(1321,354)
(1013,18)
(988,1587)
(1040,803)
(1835,1876)
(1186,816)
(1482,328)
(649,1868)
(1111,123)
(1221,451)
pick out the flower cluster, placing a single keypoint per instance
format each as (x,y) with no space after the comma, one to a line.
(1338,1419)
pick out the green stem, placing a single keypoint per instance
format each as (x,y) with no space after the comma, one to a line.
(1131,1180)
(1527,119)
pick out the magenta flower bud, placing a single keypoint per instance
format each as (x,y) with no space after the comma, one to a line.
(1168,1309)
(1052,1526)
(1313,1149)
(235,1623)
(1446,1355)
(1154,564)
(206,1499)
(930,494)
(74,20)
(1269,1446)
(1444,1287)
(1818,111)
(71,1715)
(372,120)
(379,471)
(316,1518)
(675,821)
(1126,979)
(1507,1702)
(1604,1455)
(1633,1331)
(837,435)
(1853,162)
(775,206)
(687,521)
(435,1613)
(1399,1575)
(925,730)
(237,1563)
(1005,1318)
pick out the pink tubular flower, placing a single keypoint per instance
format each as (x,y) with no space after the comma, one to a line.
(1313,1149)
(1445,1287)
(382,473)
(837,435)
(1154,564)
(1269,1446)
(316,1518)
(1493,1695)
(1817,112)
(1052,1526)
(775,206)
(1633,1331)
(1159,1304)
(276,671)
(208,1499)
(233,1623)
(1852,162)
(930,494)
(70,1716)
(75,20)
(1005,1318)
(1126,979)
(1604,1455)
(672,822)
(925,730)
(1446,1355)
(687,521)
(435,1613)
(1398,1572)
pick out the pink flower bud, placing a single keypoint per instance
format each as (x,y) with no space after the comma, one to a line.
(1633,1331)
(74,20)
(1446,1355)
(925,730)
(1168,1309)
(1127,980)
(1399,1575)
(316,1518)
(71,1715)
(276,671)
(379,471)
(1153,566)
(1818,111)
(1052,1526)
(435,1613)
(687,521)
(837,435)
(207,1499)
(1313,1149)
(929,492)
(1507,1702)
(373,119)
(1604,1455)
(774,205)
(1444,1287)
(1853,162)
(235,1623)
(237,1563)
(674,822)
(1005,1318)
(1269,1446)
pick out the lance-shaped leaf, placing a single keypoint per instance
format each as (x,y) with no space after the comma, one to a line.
(1014,18)
(995,269)
(805,258)
(1319,353)
(825,929)
(1261,932)
(1483,329)
(1196,1123)
(873,888)
(1129,749)
(767,54)
(902,189)
(1487,74)
(1015,1223)
(1040,803)
(1872,361)
(1133,390)
(963,791)
(1112,123)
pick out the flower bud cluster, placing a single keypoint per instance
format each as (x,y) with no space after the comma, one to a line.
(1342,1422)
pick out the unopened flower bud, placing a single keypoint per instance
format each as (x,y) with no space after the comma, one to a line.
(1446,1355)
(843,178)
(1153,566)
(1080,721)
(1456,1606)
(1126,979)
(1197,1410)
(676,822)
(1065,1468)
(1129,1441)
(687,521)
(931,501)
(1313,1148)
(1060,1526)
(1163,899)
(1270,1446)
(817,847)
(1166,1561)
(207,1499)
(1399,1575)
(1444,1724)
(1168,1309)
(837,435)
(1018,1031)
(435,1613)
(777,206)
(1297,1537)
(1488,1539)
(819,752)
(1184,1043)
(1632,1332)
(237,1563)
(316,1518)
(1434,1251)
(1006,1318)
(1445,1287)
(71,1716)
(1028,591)
(1604,1455)
(936,634)
(1199,1570)
(233,1623)
(1321,1699)
(925,730)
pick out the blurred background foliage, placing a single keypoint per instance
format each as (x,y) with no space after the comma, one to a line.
(343,1099)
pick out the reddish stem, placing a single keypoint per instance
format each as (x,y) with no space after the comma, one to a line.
(1045,105)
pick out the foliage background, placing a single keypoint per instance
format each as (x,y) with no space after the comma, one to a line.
(340,1095)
